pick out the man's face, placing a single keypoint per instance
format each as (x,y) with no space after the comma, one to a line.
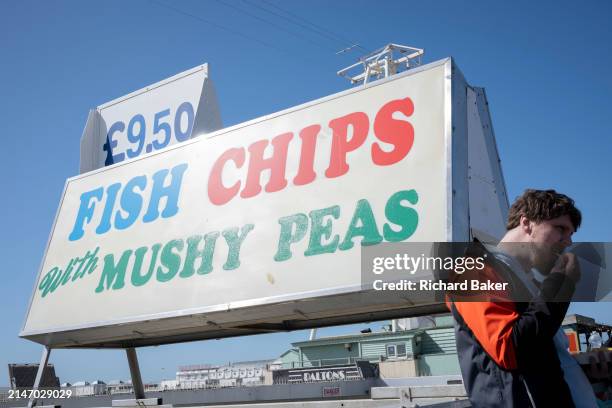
(549,239)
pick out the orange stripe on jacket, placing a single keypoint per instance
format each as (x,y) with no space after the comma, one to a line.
(491,323)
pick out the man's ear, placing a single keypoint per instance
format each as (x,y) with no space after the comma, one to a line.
(526,225)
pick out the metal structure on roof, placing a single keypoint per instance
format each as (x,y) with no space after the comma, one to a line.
(382,63)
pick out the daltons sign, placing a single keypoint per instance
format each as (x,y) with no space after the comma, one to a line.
(348,372)
(259,223)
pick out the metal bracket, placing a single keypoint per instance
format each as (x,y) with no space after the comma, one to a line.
(44,359)
(135,373)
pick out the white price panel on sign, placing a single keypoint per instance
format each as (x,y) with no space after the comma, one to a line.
(272,210)
(160,115)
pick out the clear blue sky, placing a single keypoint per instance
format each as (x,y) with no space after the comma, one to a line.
(545,66)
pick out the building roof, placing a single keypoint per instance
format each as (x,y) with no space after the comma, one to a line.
(363,337)
(585,322)
(292,350)
(229,365)
(119,382)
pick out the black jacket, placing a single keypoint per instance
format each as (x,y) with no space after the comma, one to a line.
(506,349)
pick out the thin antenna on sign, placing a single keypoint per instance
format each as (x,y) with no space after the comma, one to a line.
(382,63)
(347,49)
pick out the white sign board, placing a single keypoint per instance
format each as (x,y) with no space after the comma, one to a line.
(160,115)
(229,227)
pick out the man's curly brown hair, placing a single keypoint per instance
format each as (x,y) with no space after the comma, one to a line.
(543,205)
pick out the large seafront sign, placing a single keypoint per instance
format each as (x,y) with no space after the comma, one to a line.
(259,227)
(162,114)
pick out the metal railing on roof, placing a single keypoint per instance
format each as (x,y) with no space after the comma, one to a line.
(382,63)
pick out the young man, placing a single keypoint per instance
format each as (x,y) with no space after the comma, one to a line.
(506,349)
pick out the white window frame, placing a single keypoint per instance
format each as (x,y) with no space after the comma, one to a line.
(396,355)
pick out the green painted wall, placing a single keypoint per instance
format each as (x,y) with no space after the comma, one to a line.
(290,358)
(373,350)
(329,354)
(446,320)
(441,364)
(435,341)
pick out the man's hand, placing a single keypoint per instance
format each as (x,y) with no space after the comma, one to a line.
(568,265)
